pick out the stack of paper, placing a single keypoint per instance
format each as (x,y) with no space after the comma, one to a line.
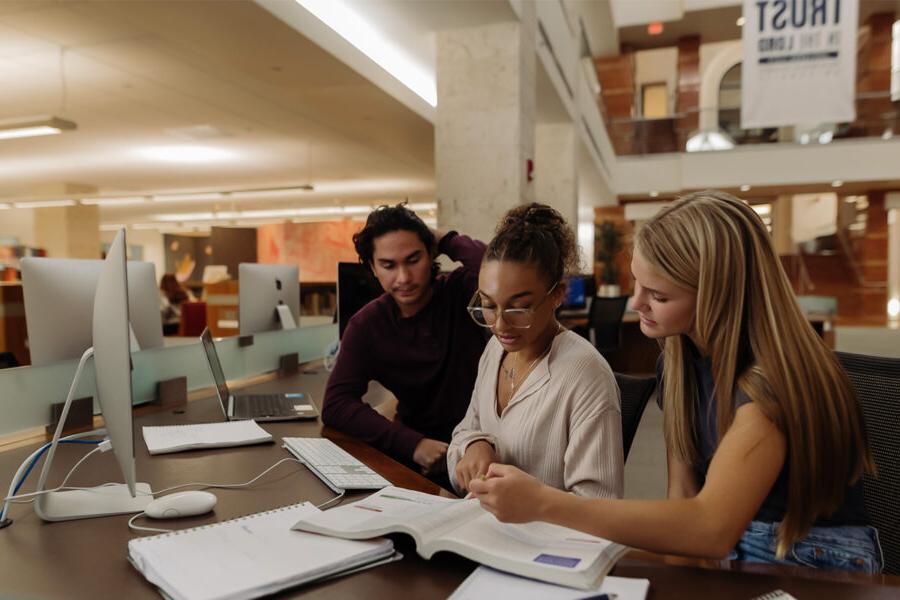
(488,583)
(175,438)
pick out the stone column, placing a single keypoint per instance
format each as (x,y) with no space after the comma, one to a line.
(555,169)
(67,231)
(484,123)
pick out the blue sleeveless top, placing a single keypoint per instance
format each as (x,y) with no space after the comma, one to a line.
(851,512)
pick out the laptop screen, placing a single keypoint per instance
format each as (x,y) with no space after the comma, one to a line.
(216,368)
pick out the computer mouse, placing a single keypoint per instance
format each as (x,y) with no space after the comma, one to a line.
(181,504)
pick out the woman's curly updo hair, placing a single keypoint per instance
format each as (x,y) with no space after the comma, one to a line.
(536,234)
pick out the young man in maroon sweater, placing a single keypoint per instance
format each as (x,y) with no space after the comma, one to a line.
(416,339)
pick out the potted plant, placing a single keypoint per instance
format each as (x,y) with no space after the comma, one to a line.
(608,243)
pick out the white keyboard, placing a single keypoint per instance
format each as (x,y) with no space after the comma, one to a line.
(334,466)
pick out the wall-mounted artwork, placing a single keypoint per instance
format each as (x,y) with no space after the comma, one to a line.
(315,247)
(186,256)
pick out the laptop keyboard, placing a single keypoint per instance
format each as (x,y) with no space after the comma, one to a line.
(266,405)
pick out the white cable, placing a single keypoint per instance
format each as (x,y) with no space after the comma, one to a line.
(204,485)
(78,464)
(27,461)
(131,525)
(333,500)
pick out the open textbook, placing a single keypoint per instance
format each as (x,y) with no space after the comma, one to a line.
(537,550)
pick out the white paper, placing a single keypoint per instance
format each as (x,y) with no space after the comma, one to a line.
(485,582)
(172,438)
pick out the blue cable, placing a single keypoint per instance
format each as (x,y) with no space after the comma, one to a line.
(44,449)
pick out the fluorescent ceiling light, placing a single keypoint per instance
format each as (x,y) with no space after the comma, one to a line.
(4,206)
(111,227)
(422,206)
(654,194)
(33,126)
(745,188)
(354,28)
(44,204)
(272,193)
(188,197)
(114,201)
(205,216)
(185,154)
(837,183)
(276,213)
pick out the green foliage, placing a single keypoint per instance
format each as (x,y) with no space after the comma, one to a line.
(608,244)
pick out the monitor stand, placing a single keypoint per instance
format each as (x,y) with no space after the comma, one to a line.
(285,317)
(111,499)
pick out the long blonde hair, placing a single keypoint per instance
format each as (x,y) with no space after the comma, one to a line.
(748,321)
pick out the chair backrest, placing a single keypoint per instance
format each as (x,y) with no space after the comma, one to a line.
(8,360)
(877,384)
(635,392)
(606,321)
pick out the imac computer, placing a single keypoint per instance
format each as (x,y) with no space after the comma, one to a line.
(575,293)
(269,297)
(356,287)
(112,369)
(59,305)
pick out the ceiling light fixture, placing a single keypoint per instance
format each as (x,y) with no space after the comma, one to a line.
(44,204)
(354,28)
(740,21)
(5,206)
(114,201)
(654,194)
(837,183)
(197,197)
(745,188)
(33,127)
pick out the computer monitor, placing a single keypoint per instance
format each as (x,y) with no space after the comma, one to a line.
(59,305)
(112,370)
(263,289)
(576,293)
(356,287)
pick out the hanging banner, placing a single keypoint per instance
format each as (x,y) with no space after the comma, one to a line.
(799,62)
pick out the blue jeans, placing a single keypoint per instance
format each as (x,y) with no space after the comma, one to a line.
(847,548)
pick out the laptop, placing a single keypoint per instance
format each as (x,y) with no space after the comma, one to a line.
(259,407)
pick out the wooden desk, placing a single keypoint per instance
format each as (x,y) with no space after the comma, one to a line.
(86,559)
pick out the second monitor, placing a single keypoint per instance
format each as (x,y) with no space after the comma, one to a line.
(263,289)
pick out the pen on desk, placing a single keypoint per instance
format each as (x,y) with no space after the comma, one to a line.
(471,495)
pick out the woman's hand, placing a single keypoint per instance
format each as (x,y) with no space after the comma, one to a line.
(475,462)
(510,494)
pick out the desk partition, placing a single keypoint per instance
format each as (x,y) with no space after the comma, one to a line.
(26,393)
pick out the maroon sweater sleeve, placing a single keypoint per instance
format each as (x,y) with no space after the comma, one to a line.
(343,407)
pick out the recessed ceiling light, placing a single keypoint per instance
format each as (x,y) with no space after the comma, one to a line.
(837,183)
(654,194)
(740,21)
(185,154)
(745,188)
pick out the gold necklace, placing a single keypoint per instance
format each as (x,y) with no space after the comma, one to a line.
(511,371)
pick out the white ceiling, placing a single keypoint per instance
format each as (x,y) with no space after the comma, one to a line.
(138,74)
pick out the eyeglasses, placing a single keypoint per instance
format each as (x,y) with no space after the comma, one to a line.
(518,318)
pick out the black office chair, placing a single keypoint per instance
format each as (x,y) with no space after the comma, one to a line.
(877,384)
(635,392)
(8,360)
(606,322)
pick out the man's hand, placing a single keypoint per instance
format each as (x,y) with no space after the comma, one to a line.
(475,462)
(429,454)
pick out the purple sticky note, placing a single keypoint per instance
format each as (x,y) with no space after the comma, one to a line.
(559,561)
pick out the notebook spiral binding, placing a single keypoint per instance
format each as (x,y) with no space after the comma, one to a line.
(218,523)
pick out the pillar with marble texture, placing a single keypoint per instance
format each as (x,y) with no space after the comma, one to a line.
(484,123)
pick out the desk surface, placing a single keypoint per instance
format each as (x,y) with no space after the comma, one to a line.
(86,559)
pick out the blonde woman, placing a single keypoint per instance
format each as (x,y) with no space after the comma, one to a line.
(766,441)
(544,399)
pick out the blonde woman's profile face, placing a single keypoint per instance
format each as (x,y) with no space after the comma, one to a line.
(665,308)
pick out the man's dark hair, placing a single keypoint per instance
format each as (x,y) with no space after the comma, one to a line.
(386,219)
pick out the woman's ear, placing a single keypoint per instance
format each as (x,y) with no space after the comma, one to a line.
(559,294)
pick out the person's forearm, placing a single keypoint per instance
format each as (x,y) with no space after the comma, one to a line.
(463,249)
(682,527)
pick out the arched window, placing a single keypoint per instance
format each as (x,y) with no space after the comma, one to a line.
(729,117)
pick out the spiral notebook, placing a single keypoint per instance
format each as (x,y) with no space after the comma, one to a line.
(249,556)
